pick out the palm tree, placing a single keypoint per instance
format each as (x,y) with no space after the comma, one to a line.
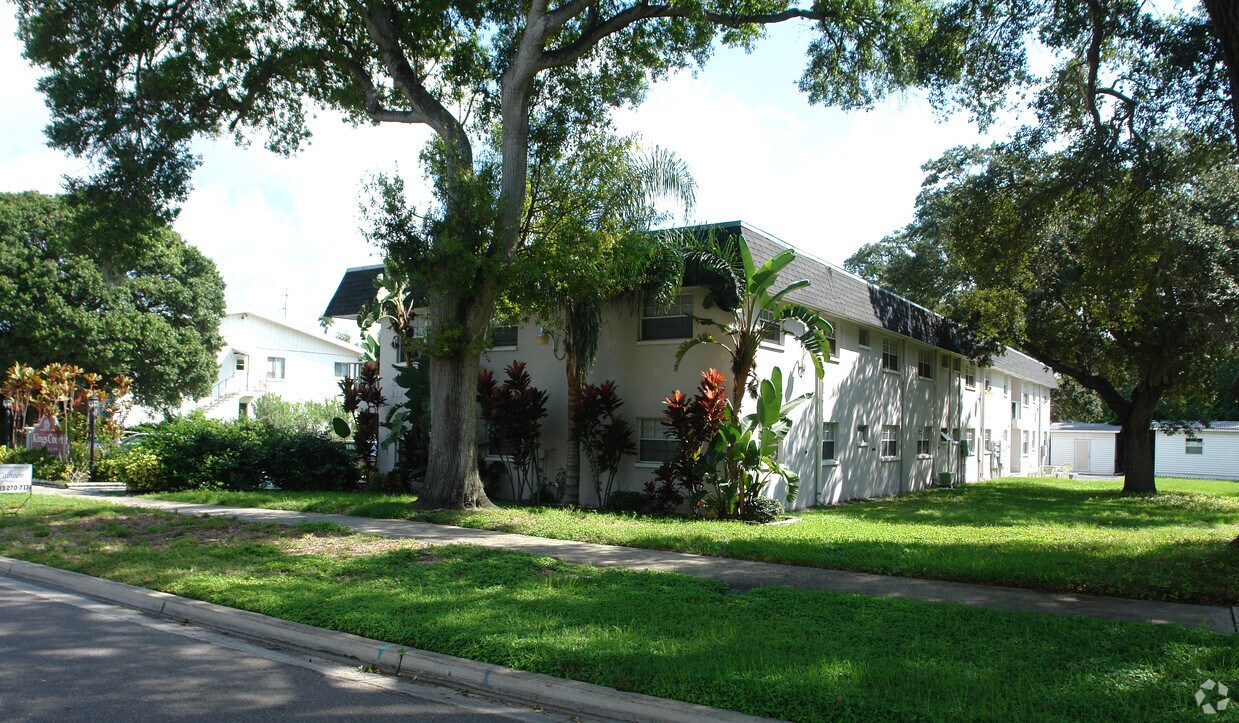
(738,285)
(589,220)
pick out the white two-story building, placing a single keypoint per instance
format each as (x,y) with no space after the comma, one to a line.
(899,405)
(264,356)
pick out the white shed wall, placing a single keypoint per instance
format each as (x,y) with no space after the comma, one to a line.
(1219,457)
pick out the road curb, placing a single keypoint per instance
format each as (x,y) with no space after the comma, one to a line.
(531,688)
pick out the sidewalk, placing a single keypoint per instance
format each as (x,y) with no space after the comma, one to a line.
(744,574)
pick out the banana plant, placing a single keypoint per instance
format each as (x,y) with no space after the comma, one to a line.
(762,310)
(748,449)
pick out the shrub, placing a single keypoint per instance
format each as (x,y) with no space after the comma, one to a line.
(47,466)
(295,460)
(197,453)
(627,501)
(763,509)
(137,468)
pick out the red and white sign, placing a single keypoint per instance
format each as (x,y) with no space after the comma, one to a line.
(47,435)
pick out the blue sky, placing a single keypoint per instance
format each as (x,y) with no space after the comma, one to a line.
(820,179)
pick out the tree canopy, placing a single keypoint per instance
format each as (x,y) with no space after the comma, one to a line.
(73,291)
(132,84)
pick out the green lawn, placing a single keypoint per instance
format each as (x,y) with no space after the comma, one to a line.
(797,654)
(1060,535)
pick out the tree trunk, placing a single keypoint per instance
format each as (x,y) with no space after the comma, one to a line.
(1224,19)
(452,479)
(1138,447)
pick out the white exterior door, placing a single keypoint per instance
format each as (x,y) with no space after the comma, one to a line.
(1082,460)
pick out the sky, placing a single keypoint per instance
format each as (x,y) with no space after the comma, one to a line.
(282,231)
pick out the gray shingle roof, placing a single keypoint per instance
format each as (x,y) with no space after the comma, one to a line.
(841,294)
(833,291)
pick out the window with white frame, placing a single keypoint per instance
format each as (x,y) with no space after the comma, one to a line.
(772,333)
(828,441)
(970,438)
(889,448)
(863,339)
(1194,445)
(240,366)
(989,382)
(653,446)
(347,369)
(923,437)
(1026,398)
(925,364)
(673,322)
(1024,444)
(890,355)
(275,367)
(989,441)
(970,376)
(862,435)
(834,345)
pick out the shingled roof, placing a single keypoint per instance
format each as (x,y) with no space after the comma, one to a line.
(833,291)
(840,294)
(355,289)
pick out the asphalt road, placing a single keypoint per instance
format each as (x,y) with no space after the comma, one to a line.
(64,657)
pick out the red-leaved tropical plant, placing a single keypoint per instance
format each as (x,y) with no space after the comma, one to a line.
(693,423)
(513,413)
(362,399)
(605,435)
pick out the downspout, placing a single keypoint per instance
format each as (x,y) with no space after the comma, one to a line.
(903,415)
(818,488)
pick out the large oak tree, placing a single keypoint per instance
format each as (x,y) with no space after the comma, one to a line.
(131,83)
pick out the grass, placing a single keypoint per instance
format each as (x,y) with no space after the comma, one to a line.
(796,654)
(1057,535)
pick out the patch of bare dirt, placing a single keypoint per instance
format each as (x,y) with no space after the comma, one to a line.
(344,547)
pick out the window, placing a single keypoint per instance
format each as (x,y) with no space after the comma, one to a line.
(946,362)
(240,363)
(925,364)
(828,441)
(890,442)
(1005,385)
(772,333)
(653,446)
(673,322)
(1026,398)
(890,355)
(421,325)
(989,382)
(834,346)
(862,435)
(275,367)
(970,377)
(503,336)
(864,338)
(1024,442)
(1194,445)
(970,439)
(243,410)
(347,369)
(989,441)
(923,435)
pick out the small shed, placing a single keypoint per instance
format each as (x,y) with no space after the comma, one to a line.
(1211,453)
(1088,447)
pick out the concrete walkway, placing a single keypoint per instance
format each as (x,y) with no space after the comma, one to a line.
(743,574)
